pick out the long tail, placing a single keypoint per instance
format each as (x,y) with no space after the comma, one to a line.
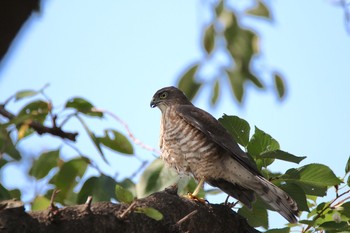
(277,199)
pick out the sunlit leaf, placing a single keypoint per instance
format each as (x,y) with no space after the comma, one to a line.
(24,94)
(123,195)
(312,178)
(83,106)
(261,143)
(282,155)
(101,188)
(237,127)
(259,10)
(156,177)
(36,110)
(40,203)
(44,164)
(279,85)
(68,176)
(215,92)
(116,141)
(209,38)
(188,84)
(150,212)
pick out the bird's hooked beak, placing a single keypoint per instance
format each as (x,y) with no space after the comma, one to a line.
(154,102)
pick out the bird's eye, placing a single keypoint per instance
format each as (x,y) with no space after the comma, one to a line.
(163,95)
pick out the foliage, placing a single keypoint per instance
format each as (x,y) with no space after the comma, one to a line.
(306,184)
(226,32)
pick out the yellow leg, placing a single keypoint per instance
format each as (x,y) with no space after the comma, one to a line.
(198,188)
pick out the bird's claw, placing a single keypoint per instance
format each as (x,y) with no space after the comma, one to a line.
(195,198)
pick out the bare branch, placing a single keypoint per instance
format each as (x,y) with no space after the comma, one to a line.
(40,128)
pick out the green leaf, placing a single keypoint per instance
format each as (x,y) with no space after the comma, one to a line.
(7,146)
(333,226)
(282,155)
(43,165)
(36,110)
(123,195)
(24,94)
(236,82)
(156,177)
(83,106)
(150,212)
(259,10)
(261,143)
(297,194)
(100,188)
(312,178)
(280,230)
(4,193)
(40,203)
(219,8)
(257,216)
(116,141)
(215,93)
(237,127)
(279,85)
(188,84)
(67,177)
(93,138)
(209,38)
(347,167)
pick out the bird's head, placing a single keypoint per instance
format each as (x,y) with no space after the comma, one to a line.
(168,96)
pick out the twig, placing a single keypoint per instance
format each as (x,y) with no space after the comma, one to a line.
(128,210)
(39,128)
(88,204)
(186,217)
(53,210)
(126,127)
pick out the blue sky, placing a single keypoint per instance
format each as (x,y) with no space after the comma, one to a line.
(118,53)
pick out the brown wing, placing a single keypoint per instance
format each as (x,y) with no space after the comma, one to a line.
(212,128)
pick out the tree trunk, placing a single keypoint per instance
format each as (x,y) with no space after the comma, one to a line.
(179,215)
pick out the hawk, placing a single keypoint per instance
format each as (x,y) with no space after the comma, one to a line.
(193,142)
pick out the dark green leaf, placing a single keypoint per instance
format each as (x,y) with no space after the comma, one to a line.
(116,141)
(123,195)
(209,38)
(334,226)
(93,138)
(16,194)
(67,177)
(23,94)
(257,216)
(280,230)
(83,106)
(188,84)
(150,212)
(44,164)
(237,127)
(279,85)
(7,146)
(261,143)
(348,181)
(40,203)
(3,162)
(346,209)
(219,8)
(259,10)
(236,81)
(155,178)
(312,178)
(36,110)
(297,194)
(101,188)
(4,193)
(347,167)
(215,92)
(282,155)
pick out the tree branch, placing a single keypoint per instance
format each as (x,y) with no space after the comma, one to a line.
(41,129)
(179,215)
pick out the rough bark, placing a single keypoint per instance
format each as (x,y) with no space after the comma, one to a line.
(179,215)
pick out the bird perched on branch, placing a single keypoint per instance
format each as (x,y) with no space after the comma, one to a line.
(192,141)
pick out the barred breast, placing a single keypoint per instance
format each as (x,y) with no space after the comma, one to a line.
(186,148)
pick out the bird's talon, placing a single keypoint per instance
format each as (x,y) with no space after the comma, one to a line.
(195,198)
